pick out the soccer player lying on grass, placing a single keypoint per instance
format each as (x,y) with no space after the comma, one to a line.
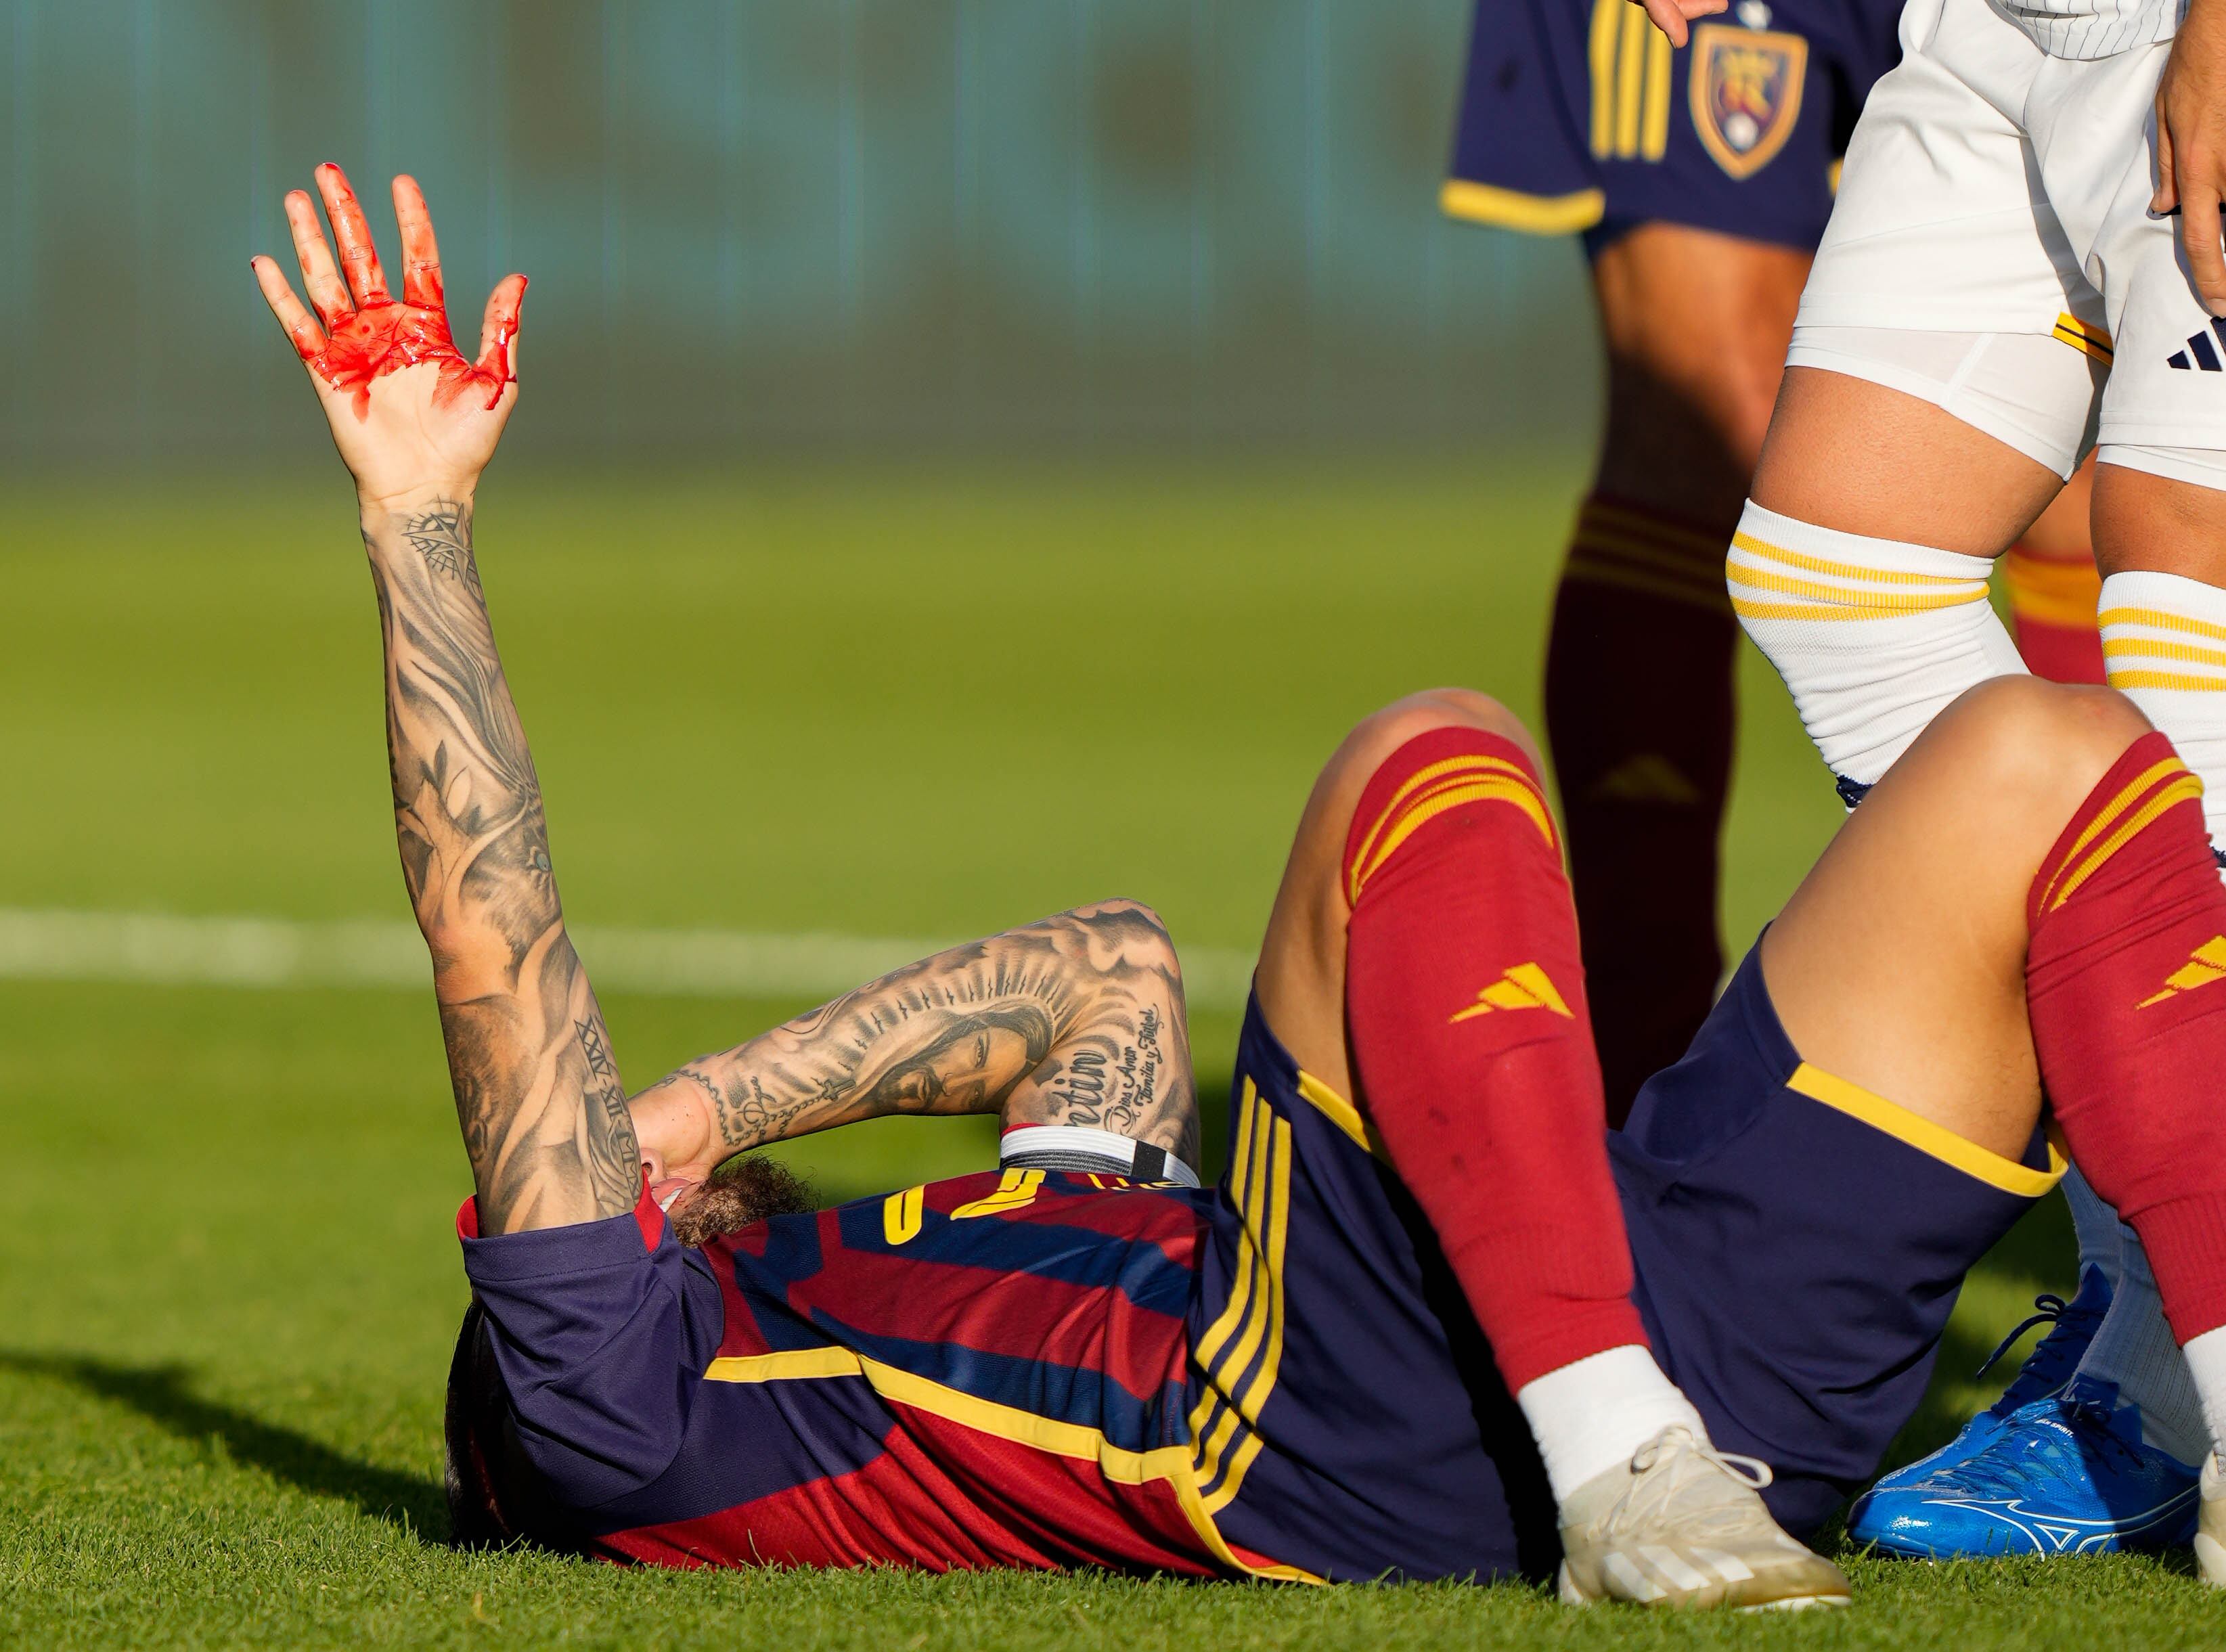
(1324,1367)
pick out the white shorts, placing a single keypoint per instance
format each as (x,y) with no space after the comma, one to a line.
(1994,213)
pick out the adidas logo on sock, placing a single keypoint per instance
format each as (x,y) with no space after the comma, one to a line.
(1526,987)
(2205,964)
(2200,347)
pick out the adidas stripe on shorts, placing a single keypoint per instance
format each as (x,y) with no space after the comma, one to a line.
(1996,192)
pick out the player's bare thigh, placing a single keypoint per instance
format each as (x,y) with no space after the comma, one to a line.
(2158,524)
(1301,978)
(1696,324)
(1899,965)
(1854,456)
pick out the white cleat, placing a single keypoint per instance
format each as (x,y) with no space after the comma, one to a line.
(2211,1523)
(1682,1525)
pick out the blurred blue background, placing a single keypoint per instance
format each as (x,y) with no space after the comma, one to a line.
(860,226)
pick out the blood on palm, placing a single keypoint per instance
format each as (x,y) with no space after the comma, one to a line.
(384,337)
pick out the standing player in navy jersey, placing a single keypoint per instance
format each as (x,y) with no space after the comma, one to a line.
(1415,1330)
(1699,174)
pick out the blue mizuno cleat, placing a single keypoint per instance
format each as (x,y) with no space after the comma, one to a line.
(2071,1326)
(2065,1475)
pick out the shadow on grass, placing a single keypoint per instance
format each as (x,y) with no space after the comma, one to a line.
(163,1393)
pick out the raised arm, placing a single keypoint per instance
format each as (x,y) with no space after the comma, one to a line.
(538,1093)
(1076,1020)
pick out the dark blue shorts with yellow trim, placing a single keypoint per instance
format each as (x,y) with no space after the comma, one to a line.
(1797,1244)
(1578,114)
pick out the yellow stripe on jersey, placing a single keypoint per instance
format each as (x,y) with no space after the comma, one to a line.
(2084,337)
(1607,22)
(1653,140)
(1484,203)
(1016,1189)
(2137,802)
(901,1214)
(1934,1140)
(1630,68)
(788,1366)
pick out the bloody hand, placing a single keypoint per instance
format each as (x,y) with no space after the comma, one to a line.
(400,430)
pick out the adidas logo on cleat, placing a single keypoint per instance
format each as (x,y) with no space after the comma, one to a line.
(1524,986)
(2199,347)
(2205,964)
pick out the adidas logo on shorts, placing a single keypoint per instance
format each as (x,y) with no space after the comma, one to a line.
(2199,347)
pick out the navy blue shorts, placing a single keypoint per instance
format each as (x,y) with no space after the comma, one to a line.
(1579,116)
(1798,1243)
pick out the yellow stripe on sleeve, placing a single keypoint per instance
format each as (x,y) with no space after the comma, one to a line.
(1934,1140)
(1511,209)
(790,1365)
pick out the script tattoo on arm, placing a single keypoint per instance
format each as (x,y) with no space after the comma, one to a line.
(544,1112)
(1076,1020)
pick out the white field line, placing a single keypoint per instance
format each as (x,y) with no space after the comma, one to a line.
(160,949)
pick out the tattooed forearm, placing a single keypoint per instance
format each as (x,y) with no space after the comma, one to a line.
(1078,1020)
(543,1112)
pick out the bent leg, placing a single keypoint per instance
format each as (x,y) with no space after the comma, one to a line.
(2025,902)
(1638,668)
(1423,947)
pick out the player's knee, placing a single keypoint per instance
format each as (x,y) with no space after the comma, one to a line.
(2034,749)
(1381,733)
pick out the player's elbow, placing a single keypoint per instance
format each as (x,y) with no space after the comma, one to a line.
(1140,932)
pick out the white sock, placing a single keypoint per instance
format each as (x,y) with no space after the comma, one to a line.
(2095,1225)
(1873,636)
(2206,1365)
(2164,644)
(1593,1415)
(2134,1349)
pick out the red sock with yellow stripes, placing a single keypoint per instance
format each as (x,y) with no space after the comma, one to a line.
(2126,986)
(2053,596)
(1639,716)
(1465,1010)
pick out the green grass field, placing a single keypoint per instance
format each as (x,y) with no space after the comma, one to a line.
(900,704)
